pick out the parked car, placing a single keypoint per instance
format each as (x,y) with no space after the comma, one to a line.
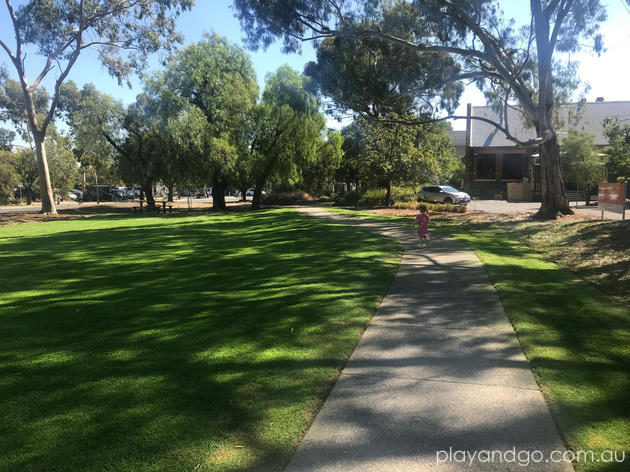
(443,194)
(187,193)
(119,193)
(250,192)
(75,194)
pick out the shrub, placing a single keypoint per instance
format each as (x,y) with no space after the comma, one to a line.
(404,195)
(433,207)
(287,198)
(373,197)
(346,199)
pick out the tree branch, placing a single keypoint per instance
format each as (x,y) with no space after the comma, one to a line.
(8,51)
(73,58)
(17,59)
(47,68)
(560,17)
(508,135)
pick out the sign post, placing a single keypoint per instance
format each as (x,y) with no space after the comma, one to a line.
(612,197)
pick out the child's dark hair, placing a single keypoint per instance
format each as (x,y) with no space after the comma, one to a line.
(423,208)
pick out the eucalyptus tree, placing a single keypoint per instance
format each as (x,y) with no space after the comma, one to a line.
(13,107)
(288,129)
(122,32)
(217,78)
(91,117)
(516,67)
(6,139)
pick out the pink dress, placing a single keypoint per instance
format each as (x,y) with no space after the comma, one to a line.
(422,220)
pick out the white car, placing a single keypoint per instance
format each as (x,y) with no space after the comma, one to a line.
(443,194)
(250,192)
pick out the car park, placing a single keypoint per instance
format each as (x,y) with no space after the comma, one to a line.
(443,194)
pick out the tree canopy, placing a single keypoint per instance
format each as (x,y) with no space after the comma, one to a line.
(216,78)
(516,66)
(288,129)
(580,161)
(618,134)
(381,153)
(122,32)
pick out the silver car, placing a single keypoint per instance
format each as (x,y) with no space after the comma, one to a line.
(443,194)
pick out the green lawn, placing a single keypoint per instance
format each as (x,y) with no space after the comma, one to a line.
(575,337)
(176,343)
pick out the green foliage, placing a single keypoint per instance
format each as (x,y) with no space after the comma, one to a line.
(511,66)
(63,165)
(93,117)
(347,198)
(319,175)
(374,197)
(123,33)
(26,167)
(287,198)
(13,106)
(6,139)
(580,161)
(618,135)
(8,176)
(433,207)
(404,195)
(380,152)
(376,77)
(288,127)
(213,79)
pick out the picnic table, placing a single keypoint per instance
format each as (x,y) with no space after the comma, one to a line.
(157,206)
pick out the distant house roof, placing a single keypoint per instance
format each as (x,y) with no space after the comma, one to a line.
(587,117)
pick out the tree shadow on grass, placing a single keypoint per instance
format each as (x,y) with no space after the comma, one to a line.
(142,344)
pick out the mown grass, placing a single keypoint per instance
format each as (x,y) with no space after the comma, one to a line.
(574,336)
(176,343)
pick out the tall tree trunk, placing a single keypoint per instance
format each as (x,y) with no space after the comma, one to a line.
(45,187)
(553,194)
(171,188)
(29,195)
(243,194)
(257,199)
(147,188)
(218,194)
(260,183)
(388,195)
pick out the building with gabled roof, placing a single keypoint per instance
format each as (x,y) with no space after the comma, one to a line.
(497,166)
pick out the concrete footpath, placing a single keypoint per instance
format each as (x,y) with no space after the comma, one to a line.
(437,374)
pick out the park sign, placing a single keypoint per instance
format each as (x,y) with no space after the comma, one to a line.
(612,197)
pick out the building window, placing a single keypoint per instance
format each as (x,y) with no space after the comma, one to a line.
(486,166)
(512,167)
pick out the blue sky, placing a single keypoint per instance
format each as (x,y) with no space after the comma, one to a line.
(607,74)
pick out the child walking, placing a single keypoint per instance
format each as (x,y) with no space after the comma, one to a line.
(422,220)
